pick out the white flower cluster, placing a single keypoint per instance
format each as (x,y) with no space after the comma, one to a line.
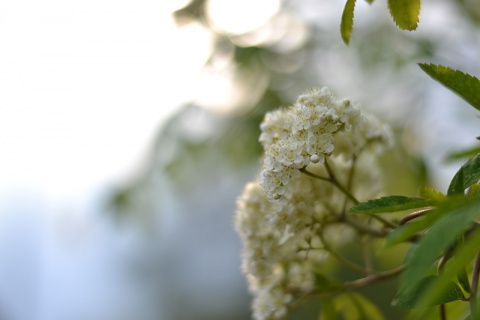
(316,126)
(282,249)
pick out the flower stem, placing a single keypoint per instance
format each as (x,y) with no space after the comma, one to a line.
(474,285)
(374,278)
(341,259)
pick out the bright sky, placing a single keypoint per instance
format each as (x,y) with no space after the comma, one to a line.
(84,86)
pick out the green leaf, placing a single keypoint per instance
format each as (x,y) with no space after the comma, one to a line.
(365,307)
(391,204)
(354,306)
(464,255)
(456,217)
(405,232)
(463,280)
(451,293)
(468,174)
(325,284)
(369,1)
(346,25)
(405,13)
(432,194)
(462,154)
(463,84)
(328,310)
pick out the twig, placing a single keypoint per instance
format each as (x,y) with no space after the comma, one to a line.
(414,215)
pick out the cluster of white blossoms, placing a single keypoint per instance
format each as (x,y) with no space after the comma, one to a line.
(280,214)
(317,125)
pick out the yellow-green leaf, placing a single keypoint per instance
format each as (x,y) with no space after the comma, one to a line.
(405,13)
(346,25)
(463,84)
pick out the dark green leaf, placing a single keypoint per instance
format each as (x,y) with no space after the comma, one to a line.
(405,13)
(463,84)
(456,217)
(369,1)
(412,300)
(391,204)
(463,154)
(468,174)
(346,25)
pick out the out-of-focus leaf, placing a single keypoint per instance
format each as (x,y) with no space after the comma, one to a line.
(391,204)
(346,25)
(405,13)
(463,256)
(432,194)
(405,232)
(366,308)
(457,216)
(354,306)
(451,293)
(328,310)
(463,280)
(462,154)
(468,174)
(326,284)
(463,84)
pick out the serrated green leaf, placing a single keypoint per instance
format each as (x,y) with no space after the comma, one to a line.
(456,217)
(462,154)
(412,300)
(468,174)
(463,84)
(405,13)
(346,25)
(432,194)
(391,204)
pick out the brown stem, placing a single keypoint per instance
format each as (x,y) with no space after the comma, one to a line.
(371,279)
(414,215)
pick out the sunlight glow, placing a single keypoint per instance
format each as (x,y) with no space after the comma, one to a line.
(237,17)
(85,86)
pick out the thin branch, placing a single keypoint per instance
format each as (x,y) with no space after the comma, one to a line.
(443,312)
(363,228)
(414,215)
(313,175)
(367,257)
(341,259)
(474,285)
(349,183)
(384,221)
(350,285)
(371,279)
